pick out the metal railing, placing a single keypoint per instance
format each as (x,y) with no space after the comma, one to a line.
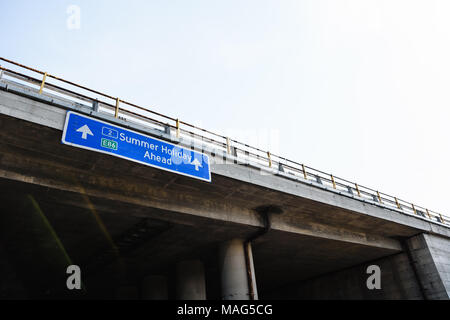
(215,143)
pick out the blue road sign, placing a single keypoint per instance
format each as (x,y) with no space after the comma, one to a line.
(96,135)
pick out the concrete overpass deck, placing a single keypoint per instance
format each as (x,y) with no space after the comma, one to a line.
(121,221)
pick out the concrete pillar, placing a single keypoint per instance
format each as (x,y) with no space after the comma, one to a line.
(190,280)
(154,288)
(127,292)
(431,259)
(233,271)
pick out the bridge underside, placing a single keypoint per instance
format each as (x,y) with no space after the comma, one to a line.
(120,221)
(115,243)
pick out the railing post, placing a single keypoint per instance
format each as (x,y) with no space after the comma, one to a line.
(116,113)
(397,203)
(228,146)
(43,82)
(234,153)
(304,172)
(350,190)
(442,218)
(270,160)
(332,180)
(414,208)
(428,213)
(192,141)
(167,129)
(95,105)
(379,197)
(178,128)
(357,189)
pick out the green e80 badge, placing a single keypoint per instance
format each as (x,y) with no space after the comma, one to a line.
(110,144)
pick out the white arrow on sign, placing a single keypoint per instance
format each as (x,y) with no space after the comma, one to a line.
(197,164)
(85,131)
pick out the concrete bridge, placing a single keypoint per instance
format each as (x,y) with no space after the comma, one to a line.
(259,230)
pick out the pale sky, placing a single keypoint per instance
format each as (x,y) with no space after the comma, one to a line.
(359,89)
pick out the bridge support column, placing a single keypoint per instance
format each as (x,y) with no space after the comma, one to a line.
(430,255)
(233,271)
(154,288)
(190,280)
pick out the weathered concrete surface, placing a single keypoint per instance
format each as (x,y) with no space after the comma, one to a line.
(431,257)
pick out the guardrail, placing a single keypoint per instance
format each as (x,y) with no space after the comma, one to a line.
(242,152)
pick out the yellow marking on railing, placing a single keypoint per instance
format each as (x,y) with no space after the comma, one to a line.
(414,208)
(304,172)
(379,197)
(178,128)
(116,114)
(357,189)
(332,180)
(228,146)
(43,82)
(428,213)
(397,203)
(270,160)
(442,218)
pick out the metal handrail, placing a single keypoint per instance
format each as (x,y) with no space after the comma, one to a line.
(242,152)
